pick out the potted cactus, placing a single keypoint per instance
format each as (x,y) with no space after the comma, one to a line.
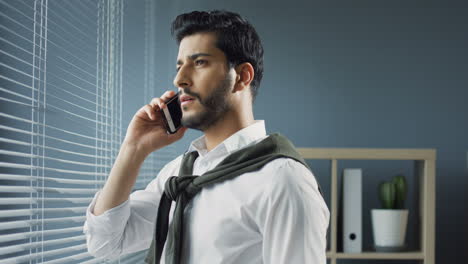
(389,224)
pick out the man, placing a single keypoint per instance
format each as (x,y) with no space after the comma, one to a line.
(241,213)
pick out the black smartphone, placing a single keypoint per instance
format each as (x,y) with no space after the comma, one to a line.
(172,114)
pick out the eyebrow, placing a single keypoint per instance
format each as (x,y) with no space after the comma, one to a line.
(194,57)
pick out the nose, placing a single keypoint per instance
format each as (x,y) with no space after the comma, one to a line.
(182,79)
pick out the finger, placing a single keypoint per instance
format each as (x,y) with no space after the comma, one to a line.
(157,103)
(179,134)
(161,102)
(168,95)
(149,111)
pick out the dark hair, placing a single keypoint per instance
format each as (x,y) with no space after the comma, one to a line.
(237,38)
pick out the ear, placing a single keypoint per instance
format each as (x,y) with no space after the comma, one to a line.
(244,76)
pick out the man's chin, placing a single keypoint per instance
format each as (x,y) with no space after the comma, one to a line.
(191,120)
(199,120)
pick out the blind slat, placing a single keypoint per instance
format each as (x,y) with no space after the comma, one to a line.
(60,110)
(21,37)
(18,177)
(17,70)
(77,68)
(14,81)
(14,201)
(25,166)
(16,153)
(17,94)
(26,235)
(29,223)
(62,100)
(17,118)
(28,155)
(14,165)
(71,257)
(23,247)
(77,17)
(20,60)
(20,48)
(30,212)
(70,43)
(17,212)
(15,102)
(69,251)
(12,141)
(25,189)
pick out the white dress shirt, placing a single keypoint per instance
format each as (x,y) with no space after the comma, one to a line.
(275,215)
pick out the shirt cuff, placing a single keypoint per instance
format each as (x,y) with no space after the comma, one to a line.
(109,222)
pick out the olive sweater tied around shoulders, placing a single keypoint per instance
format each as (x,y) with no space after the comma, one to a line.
(184,187)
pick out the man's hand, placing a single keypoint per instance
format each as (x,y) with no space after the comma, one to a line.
(146,132)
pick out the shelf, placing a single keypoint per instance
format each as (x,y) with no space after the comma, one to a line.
(367,154)
(377,255)
(424,173)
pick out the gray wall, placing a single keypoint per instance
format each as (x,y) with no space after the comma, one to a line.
(377,74)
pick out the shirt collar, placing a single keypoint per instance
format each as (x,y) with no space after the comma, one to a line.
(238,140)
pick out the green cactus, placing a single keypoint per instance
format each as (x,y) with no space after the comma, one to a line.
(392,194)
(387,194)
(400,191)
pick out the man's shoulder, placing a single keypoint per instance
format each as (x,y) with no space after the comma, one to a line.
(285,171)
(286,165)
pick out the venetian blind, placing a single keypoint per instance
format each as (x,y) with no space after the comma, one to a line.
(60,123)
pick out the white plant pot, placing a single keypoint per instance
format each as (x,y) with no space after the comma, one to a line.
(389,227)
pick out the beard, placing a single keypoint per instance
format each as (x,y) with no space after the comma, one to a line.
(215,106)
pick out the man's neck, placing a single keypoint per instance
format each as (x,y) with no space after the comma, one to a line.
(225,128)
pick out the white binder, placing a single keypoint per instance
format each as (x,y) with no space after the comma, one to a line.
(352,210)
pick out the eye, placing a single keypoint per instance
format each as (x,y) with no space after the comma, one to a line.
(200,62)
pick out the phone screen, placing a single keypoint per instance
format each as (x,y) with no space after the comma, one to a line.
(173,114)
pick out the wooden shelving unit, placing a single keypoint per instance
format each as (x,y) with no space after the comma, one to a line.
(424,162)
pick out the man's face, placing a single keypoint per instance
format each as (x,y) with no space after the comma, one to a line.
(204,81)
